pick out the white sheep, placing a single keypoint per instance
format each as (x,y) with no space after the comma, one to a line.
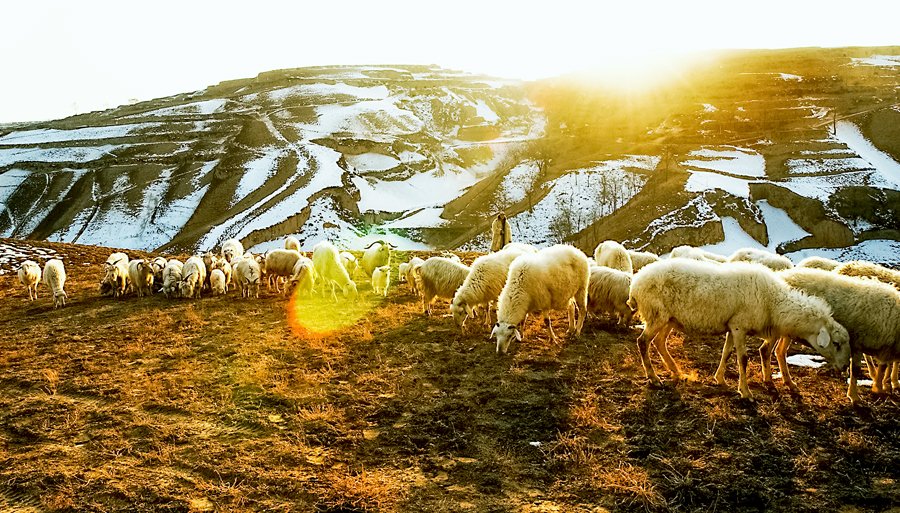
(280,264)
(329,269)
(349,262)
(554,278)
(303,277)
(402,271)
(863,269)
(692,253)
(217,282)
(227,270)
(771,260)
(608,293)
(451,256)
(247,274)
(193,275)
(376,254)
(231,248)
(815,262)
(172,274)
(410,277)
(611,254)
(738,299)
(641,258)
(140,275)
(55,280)
(381,279)
(115,275)
(869,309)
(438,277)
(30,276)
(158,264)
(483,284)
(292,243)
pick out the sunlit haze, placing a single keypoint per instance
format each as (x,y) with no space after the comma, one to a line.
(62,58)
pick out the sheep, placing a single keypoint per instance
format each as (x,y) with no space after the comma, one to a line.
(870,311)
(451,256)
(116,277)
(231,248)
(381,279)
(501,235)
(814,262)
(217,282)
(483,284)
(115,257)
(402,270)
(611,254)
(247,274)
(863,269)
(693,253)
(376,254)
(328,267)
(193,276)
(349,262)
(738,299)
(303,277)
(280,263)
(409,277)
(521,247)
(172,274)
(438,277)
(292,243)
(140,274)
(210,260)
(641,258)
(554,278)
(30,276)
(55,280)
(771,260)
(226,268)
(158,264)
(608,293)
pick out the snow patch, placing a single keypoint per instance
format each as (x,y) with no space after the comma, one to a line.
(779,225)
(886,252)
(735,239)
(204,108)
(813,361)
(877,60)
(367,162)
(734,160)
(886,166)
(53,135)
(76,154)
(429,189)
(257,171)
(700,181)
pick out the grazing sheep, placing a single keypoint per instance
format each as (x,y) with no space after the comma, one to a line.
(140,274)
(247,274)
(438,277)
(328,266)
(483,284)
(554,278)
(303,277)
(869,309)
(814,262)
(376,255)
(693,253)
(158,264)
(402,270)
(217,282)
(738,299)
(521,247)
(231,249)
(611,254)
(771,260)
(116,278)
(55,280)
(501,235)
(410,277)
(226,268)
(451,256)
(381,279)
(641,258)
(30,276)
(210,260)
(172,274)
(863,269)
(348,260)
(116,257)
(193,276)
(292,243)
(608,293)
(280,263)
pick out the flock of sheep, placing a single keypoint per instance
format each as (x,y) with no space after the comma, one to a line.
(842,311)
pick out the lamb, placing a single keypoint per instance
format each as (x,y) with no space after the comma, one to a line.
(172,274)
(438,277)
(303,277)
(641,258)
(292,243)
(328,266)
(55,280)
(349,262)
(693,253)
(613,255)
(738,299)
(814,262)
(376,255)
(870,311)
(247,274)
(193,276)
(231,249)
(863,269)
(224,266)
(280,263)
(771,260)
(608,293)
(555,278)
(140,274)
(30,276)
(483,284)
(410,276)
(217,282)
(381,279)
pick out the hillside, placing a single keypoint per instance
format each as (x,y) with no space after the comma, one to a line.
(223,404)
(792,150)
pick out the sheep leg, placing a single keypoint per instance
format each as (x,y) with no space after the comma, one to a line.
(781,347)
(550,327)
(895,384)
(878,382)
(570,313)
(643,343)
(740,345)
(663,349)
(581,302)
(765,357)
(855,370)
(723,362)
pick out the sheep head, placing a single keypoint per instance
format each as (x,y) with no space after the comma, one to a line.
(504,332)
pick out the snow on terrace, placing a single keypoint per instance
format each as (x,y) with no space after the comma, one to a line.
(371,117)
(257,171)
(9,183)
(878,250)
(366,162)
(76,154)
(12,254)
(54,135)
(877,60)
(517,183)
(887,167)
(378,92)
(733,160)
(204,108)
(429,189)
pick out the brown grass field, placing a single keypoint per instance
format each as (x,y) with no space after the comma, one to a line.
(223,404)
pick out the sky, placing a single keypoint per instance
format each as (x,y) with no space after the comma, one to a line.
(63,57)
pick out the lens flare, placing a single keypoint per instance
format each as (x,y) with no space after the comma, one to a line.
(318,315)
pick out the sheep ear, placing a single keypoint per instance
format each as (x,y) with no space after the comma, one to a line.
(518,335)
(824,338)
(494,332)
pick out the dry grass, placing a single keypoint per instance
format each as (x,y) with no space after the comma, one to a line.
(234,405)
